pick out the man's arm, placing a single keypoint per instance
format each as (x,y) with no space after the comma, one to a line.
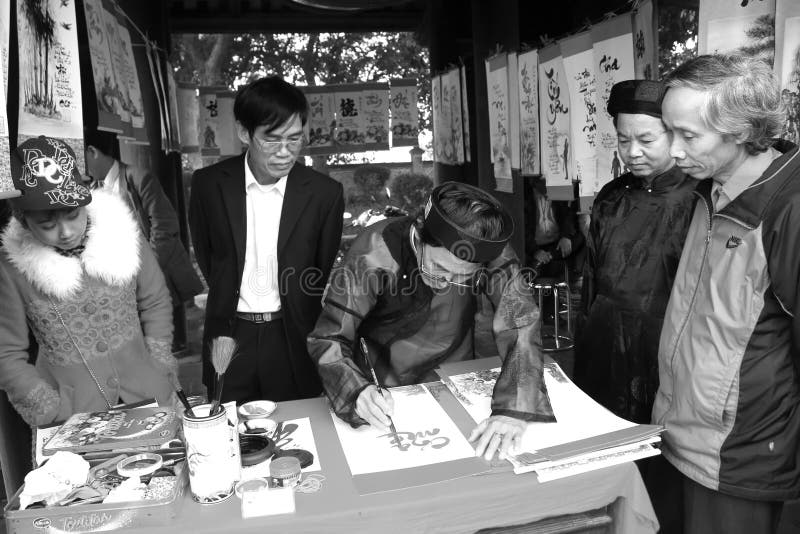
(589,288)
(164,227)
(781,238)
(520,391)
(351,294)
(198,224)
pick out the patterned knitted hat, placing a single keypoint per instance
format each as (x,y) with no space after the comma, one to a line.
(44,170)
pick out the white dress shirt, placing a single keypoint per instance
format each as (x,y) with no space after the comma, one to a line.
(111,182)
(259,291)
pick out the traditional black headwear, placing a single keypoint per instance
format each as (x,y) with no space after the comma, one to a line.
(636,96)
(458,241)
(45,170)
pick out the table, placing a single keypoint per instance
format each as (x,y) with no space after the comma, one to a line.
(496,498)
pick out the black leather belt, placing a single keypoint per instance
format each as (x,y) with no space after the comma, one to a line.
(264,317)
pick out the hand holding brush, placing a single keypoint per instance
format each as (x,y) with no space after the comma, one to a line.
(223,349)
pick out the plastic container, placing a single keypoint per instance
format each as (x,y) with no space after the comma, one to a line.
(285,472)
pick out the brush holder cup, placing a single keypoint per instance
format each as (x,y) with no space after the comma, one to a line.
(212,454)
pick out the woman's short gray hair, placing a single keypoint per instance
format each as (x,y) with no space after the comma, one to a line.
(742,96)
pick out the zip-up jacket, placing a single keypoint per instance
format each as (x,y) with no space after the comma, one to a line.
(729,351)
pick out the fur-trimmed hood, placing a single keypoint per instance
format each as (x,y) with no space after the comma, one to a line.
(111,253)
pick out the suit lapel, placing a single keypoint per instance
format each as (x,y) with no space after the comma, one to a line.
(233,196)
(297,196)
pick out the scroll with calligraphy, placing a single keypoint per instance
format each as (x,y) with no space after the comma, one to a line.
(579,69)
(321,122)
(436,118)
(49,73)
(5,33)
(528,81)
(743,27)
(375,108)
(117,94)
(130,77)
(613,62)
(405,114)
(645,42)
(6,183)
(465,112)
(787,64)
(499,120)
(108,118)
(554,110)
(208,123)
(452,129)
(351,134)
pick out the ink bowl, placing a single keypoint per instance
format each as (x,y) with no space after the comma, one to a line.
(257,427)
(256,409)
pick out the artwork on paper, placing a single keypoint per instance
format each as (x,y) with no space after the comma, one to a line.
(130,77)
(105,84)
(188,116)
(404,111)
(465,112)
(154,67)
(436,118)
(49,73)
(118,63)
(528,81)
(375,109)
(451,134)
(474,391)
(425,435)
(554,119)
(513,117)
(499,125)
(350,127)
(787,65)
(291,434)
(645,42)
(5,32)
(227,138)
(6,182)
(579,70)
(613,62)
(746,28)
(321,120)
(208,124)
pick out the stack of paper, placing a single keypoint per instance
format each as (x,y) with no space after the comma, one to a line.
(585,437)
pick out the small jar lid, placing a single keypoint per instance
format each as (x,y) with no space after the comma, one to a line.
(251,484)
(286,466)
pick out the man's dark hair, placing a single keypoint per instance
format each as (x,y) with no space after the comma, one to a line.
(105,142)
(269,102)
(476,212)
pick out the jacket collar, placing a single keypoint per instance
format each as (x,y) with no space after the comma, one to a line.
(111,253)
(664,182)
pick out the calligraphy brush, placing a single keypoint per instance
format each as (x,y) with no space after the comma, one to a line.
(223,349)
(375,381)
(181,395)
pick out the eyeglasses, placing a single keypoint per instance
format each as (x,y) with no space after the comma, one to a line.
(437,278)
(291,144)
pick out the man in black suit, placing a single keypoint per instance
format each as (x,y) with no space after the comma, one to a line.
(265,231)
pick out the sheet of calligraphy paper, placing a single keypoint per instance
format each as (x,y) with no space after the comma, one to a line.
(425,435)
(645,42)
(528,79)
(578,67)
(499,120)
(554,110)
(321,120)
(350,119)
(465,112)
(613,62)
(209,124)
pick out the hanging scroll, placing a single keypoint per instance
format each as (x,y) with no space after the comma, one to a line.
(119,89)
(130,77)
(350,125)
(787,65)
(375,108)
(465,112)
(5,32)
(188,117)
(208,122)
(645,42)
(321,122)
(452,128)
(174,113)
(513,107)
(405,115)
(497,93)
(436,117)
(578,67)
(528,79)
(613,62)
(554,119)
(49,74)
(743,27)
(108,118)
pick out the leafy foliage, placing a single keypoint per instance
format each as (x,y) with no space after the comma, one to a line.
(677,35)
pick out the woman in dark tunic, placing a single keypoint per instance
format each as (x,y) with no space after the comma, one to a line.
(639,223)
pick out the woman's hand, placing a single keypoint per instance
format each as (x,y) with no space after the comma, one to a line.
(498,433)
(374,407)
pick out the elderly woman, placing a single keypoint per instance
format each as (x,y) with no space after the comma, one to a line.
(728,354)
(75,273)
